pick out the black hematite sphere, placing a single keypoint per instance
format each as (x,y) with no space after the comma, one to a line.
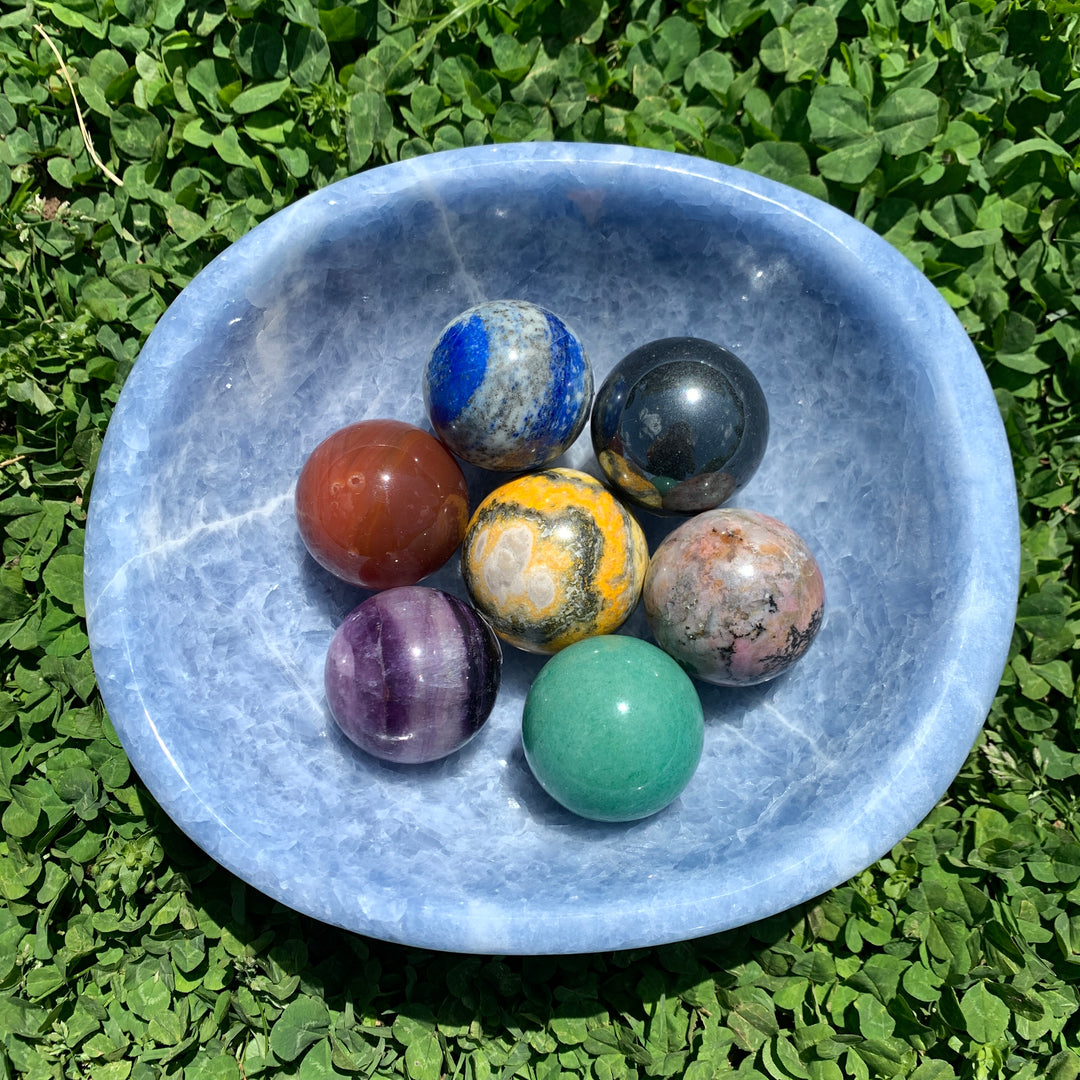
(679,425)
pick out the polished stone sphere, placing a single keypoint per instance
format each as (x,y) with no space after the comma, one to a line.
(613,728)
(679,425)
(381,503)
(412,674)
(553,557)
(735,596)
(508,385)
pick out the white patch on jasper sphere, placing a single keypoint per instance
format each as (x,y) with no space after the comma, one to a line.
(503,569)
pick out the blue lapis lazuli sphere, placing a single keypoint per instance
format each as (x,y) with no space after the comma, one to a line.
(508,386)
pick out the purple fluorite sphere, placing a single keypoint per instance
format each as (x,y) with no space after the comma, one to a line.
(412,674)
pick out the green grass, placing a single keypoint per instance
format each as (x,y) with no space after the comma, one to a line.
(950,128)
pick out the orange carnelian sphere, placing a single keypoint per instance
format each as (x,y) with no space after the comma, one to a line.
(381,503)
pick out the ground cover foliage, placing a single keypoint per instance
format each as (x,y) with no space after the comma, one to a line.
(950,128)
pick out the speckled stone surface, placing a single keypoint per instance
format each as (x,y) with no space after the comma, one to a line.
(209,623)
(508,385)
(735,596)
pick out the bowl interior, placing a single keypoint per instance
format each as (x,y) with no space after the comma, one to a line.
(209,623)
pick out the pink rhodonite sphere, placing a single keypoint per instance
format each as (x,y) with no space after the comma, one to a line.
(735,596)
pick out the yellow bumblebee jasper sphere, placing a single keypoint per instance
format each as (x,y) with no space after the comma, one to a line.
(551,558)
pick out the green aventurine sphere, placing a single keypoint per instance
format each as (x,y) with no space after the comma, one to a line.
(613,728)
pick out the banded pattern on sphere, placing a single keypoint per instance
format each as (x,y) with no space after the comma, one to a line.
(412,674)
(551,558)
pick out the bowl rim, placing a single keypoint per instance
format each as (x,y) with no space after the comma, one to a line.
(983,633)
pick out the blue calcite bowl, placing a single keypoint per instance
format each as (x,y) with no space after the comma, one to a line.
(209,624)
